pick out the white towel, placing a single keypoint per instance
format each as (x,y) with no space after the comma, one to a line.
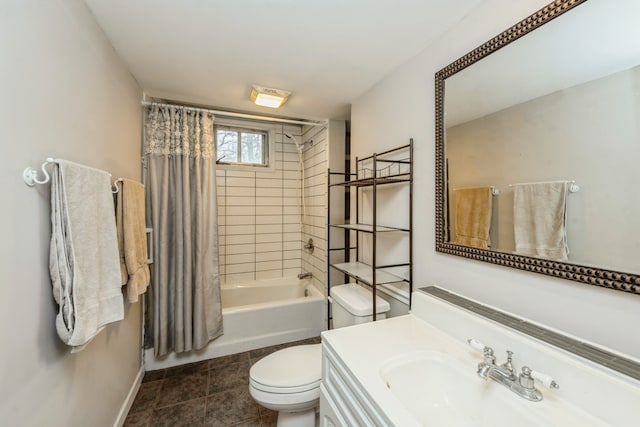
(83,262)
(539,217)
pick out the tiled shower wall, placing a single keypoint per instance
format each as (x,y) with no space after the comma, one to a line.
(259,221)
(315,192)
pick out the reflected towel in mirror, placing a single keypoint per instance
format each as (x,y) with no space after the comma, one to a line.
(473,217)
(539,220)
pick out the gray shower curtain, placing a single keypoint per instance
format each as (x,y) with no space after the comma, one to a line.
(183,303)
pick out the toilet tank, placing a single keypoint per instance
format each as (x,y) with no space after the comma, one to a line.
(352,304)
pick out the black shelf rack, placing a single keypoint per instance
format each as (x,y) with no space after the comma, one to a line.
(391,167)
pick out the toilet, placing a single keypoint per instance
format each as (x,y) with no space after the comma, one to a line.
(288,380)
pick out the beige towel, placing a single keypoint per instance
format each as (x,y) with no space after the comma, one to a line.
(132,238)
(473,217)
(83,259)
(539,216)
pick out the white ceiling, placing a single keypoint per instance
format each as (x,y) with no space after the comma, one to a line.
(327,52)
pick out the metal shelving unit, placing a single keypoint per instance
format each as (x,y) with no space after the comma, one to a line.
(387,168)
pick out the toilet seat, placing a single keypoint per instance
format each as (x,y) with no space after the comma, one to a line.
(290,370)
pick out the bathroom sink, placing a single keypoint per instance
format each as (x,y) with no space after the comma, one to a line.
(439,390)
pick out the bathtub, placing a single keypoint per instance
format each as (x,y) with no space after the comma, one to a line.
(257,314)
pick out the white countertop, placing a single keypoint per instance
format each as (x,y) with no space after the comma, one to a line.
(364,349)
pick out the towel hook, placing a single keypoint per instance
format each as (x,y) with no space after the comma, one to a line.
(30,175)
(115,187)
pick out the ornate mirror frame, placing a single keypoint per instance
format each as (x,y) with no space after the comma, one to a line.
(622,281)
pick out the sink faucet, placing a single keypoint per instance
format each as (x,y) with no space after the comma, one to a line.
(522,384)
(308,275)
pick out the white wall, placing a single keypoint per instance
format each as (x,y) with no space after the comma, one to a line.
(64,94)
(402,106)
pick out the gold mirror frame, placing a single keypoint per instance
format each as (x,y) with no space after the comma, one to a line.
(621,281)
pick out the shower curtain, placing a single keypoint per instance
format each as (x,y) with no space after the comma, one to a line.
(183,310)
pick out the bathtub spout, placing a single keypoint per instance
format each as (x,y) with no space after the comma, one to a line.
(305,275)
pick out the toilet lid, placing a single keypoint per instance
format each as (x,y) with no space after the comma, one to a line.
(297,368)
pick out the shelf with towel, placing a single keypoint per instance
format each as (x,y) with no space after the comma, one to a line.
(572,188)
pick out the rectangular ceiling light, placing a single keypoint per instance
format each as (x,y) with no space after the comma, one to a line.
(268,97)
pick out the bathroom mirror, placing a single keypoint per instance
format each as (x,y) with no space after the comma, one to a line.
(556,97)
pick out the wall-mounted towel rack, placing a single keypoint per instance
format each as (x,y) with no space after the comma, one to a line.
(115,188)
(573,187)
(494,190)
(30,175)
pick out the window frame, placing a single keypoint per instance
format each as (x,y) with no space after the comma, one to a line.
(248,127)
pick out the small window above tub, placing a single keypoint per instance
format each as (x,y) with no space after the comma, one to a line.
(241,146)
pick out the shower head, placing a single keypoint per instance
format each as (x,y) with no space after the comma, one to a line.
(293,138)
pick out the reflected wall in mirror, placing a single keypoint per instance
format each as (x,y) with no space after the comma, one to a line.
(555,98)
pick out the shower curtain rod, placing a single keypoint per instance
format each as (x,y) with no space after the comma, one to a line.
(239,115)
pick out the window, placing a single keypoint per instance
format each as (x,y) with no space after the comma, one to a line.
(236,145)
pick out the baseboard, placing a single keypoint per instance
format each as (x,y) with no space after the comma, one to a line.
(126,405)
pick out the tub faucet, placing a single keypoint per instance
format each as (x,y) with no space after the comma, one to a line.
(308,275)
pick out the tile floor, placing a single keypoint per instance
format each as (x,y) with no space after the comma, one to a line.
(211,393)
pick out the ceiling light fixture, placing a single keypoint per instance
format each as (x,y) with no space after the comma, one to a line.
(268,97)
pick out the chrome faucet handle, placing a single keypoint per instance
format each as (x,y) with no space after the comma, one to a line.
(525,379)
(545,380)
(508,365)
(489,357)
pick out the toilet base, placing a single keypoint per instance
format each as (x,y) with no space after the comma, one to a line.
(297,419)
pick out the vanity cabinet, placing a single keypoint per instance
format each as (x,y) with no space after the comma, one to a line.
(343,402)
(393,170)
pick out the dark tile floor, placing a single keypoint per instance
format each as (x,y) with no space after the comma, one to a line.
(210,393)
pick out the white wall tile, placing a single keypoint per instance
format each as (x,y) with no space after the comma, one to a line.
(239,278)
(260,211)
(269,238)
(271,274)
(240,182)
(240,174)
(268,247)
(269,210)
(268,183)
(240,249)
(240,229)
(292,254)
(240,220)
(240,239)
(249,258)
(240,201)
(270,219)
(239,210)
(269,256)
(241,191)
(268,201)
(270,228)
(268,265)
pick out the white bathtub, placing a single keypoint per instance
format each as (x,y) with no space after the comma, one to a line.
(258,314)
